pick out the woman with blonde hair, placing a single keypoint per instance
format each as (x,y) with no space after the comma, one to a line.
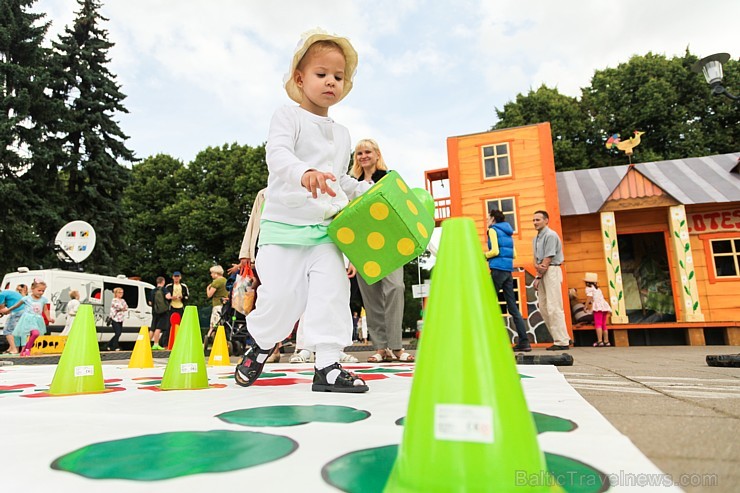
(118,309)
(382,301)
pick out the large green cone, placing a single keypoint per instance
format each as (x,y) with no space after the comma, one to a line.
(79,370)
(468,427)
(186,368)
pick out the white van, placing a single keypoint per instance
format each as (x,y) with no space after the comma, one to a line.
(95,290)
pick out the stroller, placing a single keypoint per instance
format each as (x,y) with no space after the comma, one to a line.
(234,324)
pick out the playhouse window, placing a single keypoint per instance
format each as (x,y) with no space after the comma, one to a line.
(726,256)
(496,160)
(506,205)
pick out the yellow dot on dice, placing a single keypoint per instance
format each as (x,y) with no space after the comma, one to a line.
(412,208)
(375,240)
(422,230)
(401,185)
(346,235)
(379,211)
(405,246)
(371,269)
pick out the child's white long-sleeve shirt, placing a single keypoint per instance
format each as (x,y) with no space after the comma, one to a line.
(299,141)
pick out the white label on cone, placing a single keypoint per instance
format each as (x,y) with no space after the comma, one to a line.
(217,357)
(463,423)
(84,371)
(189,368)
(140,337)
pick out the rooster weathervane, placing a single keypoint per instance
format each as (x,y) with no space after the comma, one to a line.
(624,145)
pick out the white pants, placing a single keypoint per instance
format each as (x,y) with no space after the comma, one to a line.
(308,280)
(550,295)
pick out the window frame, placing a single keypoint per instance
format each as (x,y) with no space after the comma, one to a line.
(709,255)
(496,157)
(513,213)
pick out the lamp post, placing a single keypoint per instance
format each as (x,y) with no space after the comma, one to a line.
(711,67)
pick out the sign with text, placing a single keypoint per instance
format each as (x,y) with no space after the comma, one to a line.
(420,290)
(714,222)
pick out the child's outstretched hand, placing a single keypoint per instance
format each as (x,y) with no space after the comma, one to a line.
(316,181)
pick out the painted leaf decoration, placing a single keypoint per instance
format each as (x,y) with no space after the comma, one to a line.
(696,305)
(691,275)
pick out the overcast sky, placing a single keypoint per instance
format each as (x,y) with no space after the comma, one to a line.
(206,73)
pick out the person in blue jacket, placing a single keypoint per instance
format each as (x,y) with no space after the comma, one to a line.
(501,255)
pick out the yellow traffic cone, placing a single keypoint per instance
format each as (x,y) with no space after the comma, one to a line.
(142,355)
(186,368)
(79,370)
(220,349)
(467,426)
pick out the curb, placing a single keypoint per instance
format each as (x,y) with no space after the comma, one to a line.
(724,360)
(544,359)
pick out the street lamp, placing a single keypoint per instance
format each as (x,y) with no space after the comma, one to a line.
(711,67)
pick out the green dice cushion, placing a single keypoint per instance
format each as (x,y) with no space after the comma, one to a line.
(383,229)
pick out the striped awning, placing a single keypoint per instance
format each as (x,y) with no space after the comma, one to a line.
(689,181)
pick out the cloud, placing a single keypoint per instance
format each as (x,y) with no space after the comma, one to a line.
(199,74)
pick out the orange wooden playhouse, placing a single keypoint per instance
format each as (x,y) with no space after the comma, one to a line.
(663,237)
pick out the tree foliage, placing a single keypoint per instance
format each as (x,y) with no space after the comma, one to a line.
(93,144)
(651,93)
(25,113)
(189,218)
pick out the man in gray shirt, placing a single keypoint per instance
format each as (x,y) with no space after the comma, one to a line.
(548,255)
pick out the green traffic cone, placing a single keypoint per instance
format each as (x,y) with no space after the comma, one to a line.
(467,426)
(186,368)
(79,370)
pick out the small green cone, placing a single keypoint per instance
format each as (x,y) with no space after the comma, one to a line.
(186,368)
(79,370)
(468,427)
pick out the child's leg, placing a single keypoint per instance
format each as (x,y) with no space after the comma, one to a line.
(600,324)
(328,321)
(282,294)
(31,339)
(282,299)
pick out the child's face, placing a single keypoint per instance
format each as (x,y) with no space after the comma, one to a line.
(38,291)
(321,78)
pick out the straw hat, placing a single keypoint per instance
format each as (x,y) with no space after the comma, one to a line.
(307,39)
(591,277)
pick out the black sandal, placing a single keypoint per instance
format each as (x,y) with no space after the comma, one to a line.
(248,370)
(346,382)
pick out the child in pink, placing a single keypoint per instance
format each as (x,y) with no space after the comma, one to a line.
(31,324)
(599,307)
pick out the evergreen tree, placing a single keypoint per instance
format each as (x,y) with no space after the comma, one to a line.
(25,112)
(93,143)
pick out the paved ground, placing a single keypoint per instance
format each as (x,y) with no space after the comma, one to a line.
(681,413)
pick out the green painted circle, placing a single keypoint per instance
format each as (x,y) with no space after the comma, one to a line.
(293,415)
(367,471)
(546,422)
(175,454)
